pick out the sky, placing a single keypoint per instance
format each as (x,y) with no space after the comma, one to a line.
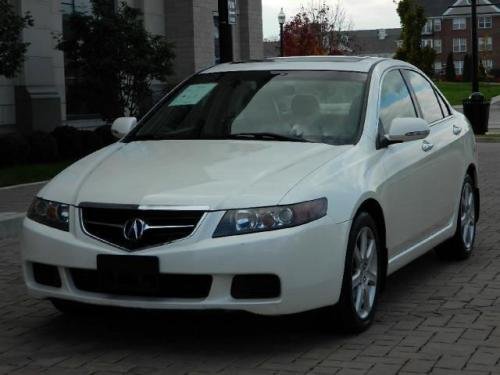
(364,14)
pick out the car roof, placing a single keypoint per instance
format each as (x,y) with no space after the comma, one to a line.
(338,63)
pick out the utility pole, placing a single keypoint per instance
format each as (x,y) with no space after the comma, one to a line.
(475,54)
(226,29)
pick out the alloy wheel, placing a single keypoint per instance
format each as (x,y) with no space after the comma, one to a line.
(364,272)
(468,216)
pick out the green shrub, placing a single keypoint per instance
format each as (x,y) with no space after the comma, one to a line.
(14,149)
(104,133)
(43,147)
(69,142)
(91,141)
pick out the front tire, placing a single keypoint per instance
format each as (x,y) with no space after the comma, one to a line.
(362,275)
(460,246)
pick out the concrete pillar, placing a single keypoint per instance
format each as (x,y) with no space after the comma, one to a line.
(179,26)
(40,87)
(250,30)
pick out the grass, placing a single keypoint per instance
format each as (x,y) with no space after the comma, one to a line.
(455,92)
(26,173)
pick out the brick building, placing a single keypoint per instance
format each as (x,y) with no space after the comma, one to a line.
(449,30)
(42,96)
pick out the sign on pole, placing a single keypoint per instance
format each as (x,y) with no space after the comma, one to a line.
(231,16)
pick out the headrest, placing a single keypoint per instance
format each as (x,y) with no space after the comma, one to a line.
(305,105)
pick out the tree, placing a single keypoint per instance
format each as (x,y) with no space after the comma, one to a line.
(427,58)
(413,21)
(301,37)
(467,73)
(318,29)
(482,72)
(116,56)
(450,68)
(12,49)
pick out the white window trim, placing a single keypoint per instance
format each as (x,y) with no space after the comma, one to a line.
(459,25)
(485,20)
(437,22)
(438,46)
(457,45)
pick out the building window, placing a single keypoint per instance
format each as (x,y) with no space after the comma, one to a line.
(438,68)
(427,27)
(459,23)
(399,43)
(427,43)
(485,44)
(488,65)
(485,22)
(76,6)
(79,104)
(437,24)
(459,68)
(438,47)
(459,45)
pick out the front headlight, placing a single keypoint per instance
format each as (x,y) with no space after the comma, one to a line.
(254,220)
(50,213)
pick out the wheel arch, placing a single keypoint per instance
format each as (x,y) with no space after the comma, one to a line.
(472,171)
(374,209)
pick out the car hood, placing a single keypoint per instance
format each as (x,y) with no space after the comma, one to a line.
(216,174)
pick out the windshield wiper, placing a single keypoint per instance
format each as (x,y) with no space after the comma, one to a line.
(269,136)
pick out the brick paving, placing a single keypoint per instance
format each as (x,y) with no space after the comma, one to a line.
(434,317)
(18,199)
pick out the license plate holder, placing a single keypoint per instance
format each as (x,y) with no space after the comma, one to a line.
(128,274)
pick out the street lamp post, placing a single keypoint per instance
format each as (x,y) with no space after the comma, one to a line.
(281,20)
(475,54)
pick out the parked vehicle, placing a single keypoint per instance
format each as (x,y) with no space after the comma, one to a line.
(272,187)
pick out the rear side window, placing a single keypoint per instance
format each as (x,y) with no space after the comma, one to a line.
(426,97)
(395,100)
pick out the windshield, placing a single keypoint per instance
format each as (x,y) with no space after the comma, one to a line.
(312,106)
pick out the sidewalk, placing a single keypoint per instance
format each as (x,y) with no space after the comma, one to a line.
(14,202)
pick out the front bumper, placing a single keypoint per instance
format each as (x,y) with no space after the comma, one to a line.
(308,260)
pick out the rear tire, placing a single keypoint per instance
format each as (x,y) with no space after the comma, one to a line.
(362,276)
(460,246)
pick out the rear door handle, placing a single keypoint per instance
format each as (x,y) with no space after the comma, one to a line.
(426,146)
(457,130)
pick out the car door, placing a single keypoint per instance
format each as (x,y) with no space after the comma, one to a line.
(405,187)
(444,169)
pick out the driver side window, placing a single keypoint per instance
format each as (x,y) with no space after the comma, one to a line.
(395,99)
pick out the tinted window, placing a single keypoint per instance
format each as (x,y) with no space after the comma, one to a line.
(311,106)
(426,97)
(395,101)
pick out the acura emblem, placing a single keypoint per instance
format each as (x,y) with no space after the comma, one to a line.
(134,229)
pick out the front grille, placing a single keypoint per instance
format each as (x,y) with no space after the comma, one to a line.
(165,285)
(146,228)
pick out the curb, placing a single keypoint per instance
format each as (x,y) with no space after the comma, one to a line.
(10,224)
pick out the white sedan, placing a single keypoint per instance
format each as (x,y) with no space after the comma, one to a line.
(272,187)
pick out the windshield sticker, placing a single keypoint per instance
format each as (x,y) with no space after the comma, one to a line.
(193,94)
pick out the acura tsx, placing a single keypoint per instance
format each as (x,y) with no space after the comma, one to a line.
(272,187)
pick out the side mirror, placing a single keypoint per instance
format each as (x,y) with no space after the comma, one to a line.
(122,126)
(407,129)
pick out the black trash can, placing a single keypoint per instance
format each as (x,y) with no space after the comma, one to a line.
(477,111)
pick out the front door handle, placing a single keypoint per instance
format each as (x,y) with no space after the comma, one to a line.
(457,130)
(426,146)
